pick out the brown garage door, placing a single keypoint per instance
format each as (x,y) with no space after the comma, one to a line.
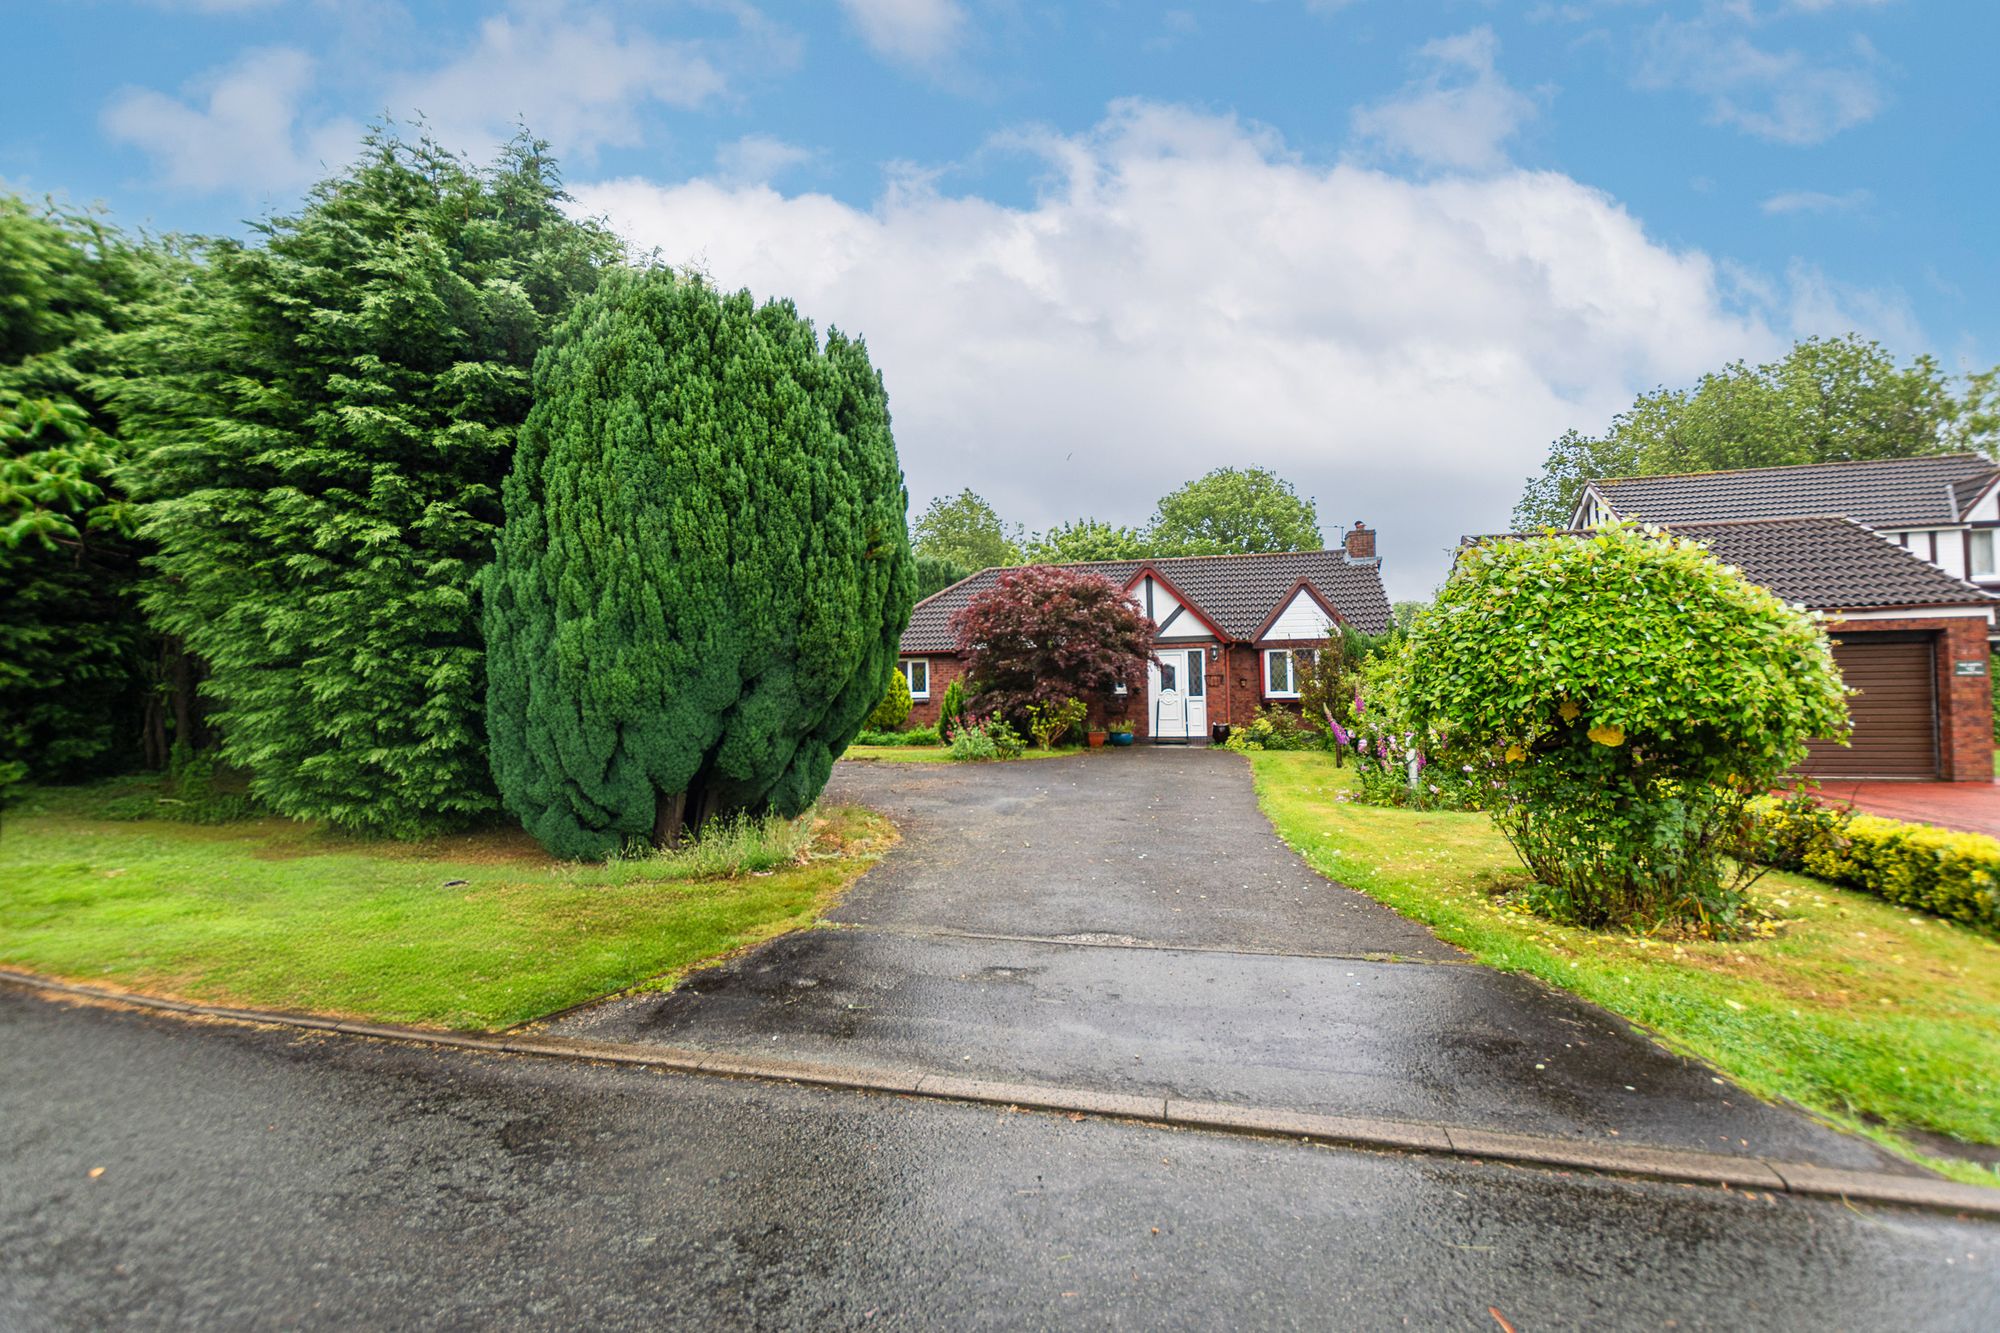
(1895,715)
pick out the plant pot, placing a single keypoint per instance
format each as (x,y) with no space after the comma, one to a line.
(1220,732)
(1096,738)
(1121,738)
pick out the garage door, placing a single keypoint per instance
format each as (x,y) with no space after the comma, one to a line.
(1895,715)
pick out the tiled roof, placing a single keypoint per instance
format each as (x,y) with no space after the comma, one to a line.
(1827,563)
(1886,492)
(1237,592)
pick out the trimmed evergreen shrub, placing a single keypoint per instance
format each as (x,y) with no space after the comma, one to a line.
(704,571)
(1942,871)
(895,704)
(330,414)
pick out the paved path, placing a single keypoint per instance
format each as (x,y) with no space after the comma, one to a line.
(1129,922)
(1971,806)
(259,1179)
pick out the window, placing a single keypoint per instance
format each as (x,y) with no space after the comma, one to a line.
(1280,681)
(1979,553)
(917,671)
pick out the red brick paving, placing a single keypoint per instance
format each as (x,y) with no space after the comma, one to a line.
(1973,807)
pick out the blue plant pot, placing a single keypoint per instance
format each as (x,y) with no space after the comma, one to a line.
(1121,738)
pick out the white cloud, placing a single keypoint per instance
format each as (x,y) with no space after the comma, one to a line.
(1784,96)
(911,32)
(239,128)
(1820,305)
(1816,201)
(1188,294)
(758,159)
(1458,114)
(572,75)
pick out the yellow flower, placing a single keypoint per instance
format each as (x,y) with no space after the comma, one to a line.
(1515,754)
(1604,735)
(1570,709)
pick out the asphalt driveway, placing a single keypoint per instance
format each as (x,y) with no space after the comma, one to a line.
(1129,921)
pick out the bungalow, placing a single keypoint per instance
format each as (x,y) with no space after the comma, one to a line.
(1228,626)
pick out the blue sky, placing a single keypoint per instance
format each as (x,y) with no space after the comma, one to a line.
(1389,249)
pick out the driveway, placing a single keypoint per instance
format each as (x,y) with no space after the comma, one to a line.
(1129,922)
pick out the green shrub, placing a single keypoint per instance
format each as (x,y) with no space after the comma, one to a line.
(191,794)
(914,736)
(1941,871)
(987,738)
(895,706)
(951,709)
(1049,723)
(1275,729)
(1628,693)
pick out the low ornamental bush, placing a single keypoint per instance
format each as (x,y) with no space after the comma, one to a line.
(1275,729)
(951,710)
(1390,767)
(895,706)
(1050,722)
(1629,693)
(1941,871)
(914,736)
(986,738)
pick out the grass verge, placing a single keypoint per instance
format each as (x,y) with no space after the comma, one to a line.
(1874,1017)
(941,754)
(479,931)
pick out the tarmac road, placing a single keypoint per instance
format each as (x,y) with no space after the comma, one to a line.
(259,1178)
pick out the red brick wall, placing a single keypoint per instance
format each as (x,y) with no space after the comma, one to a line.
(1965,703)
(945,668)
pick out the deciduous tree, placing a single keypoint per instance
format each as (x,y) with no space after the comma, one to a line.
(1233,510)
(1828,400)
(964,530)
(1088,539)
(1040,635)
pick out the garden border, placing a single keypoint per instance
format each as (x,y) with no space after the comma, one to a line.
(1462,1141)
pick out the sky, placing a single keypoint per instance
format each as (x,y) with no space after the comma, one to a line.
(1387,249)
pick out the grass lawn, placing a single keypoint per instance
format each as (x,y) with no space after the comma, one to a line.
(933,754)
(476,931)
(1875,1017)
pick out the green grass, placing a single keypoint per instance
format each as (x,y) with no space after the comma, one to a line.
(1874,1017)
(941,754)
(274,914)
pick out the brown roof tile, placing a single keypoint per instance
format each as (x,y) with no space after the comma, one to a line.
(1884,492)
(1824,562)
(1237,592)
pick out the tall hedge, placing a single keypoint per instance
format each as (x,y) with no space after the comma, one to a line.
(330,412)
(74,649)
(704,572)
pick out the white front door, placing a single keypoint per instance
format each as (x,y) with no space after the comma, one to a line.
(1177,695)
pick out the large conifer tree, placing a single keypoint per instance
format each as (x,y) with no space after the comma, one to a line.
(74,649)
(330,413)
(705,567)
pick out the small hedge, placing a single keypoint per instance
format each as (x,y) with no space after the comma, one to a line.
(1935,870)
(914,736)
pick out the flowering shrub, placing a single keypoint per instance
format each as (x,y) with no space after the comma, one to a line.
(951,709)
(1630,693)
(1391,767)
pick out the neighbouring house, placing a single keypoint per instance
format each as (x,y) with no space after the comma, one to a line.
(1909,636)
(1943,509)
(1228,626)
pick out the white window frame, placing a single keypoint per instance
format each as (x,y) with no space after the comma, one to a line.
(1974,567)
(1291,674)
(909,677)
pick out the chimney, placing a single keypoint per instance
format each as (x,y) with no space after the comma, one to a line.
(1360,541)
